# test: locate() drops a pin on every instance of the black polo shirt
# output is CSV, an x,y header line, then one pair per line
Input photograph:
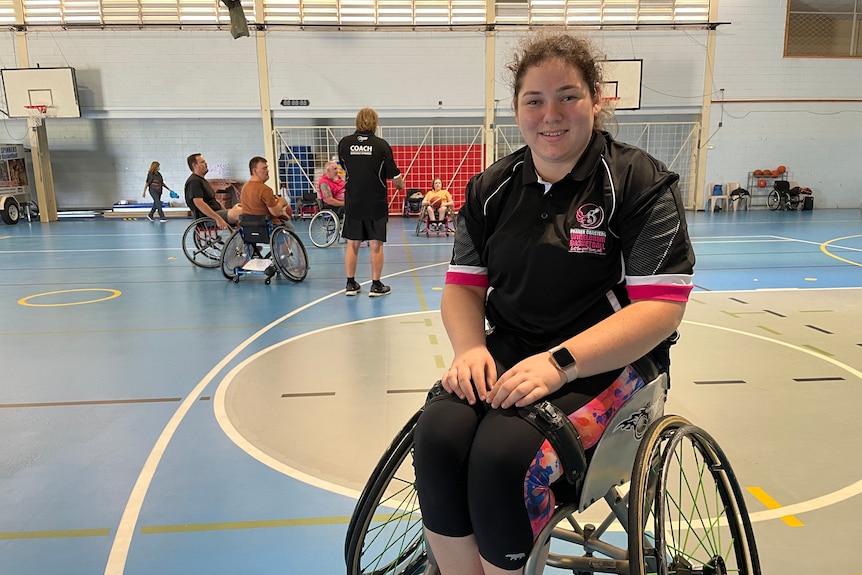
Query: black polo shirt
x,y
558,262
367,161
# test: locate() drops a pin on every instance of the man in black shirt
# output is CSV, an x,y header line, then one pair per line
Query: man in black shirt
x,y
368,163
200,197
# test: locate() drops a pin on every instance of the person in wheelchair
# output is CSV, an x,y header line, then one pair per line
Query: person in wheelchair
x,y
258,199
330,189
200,197
436,205
571,262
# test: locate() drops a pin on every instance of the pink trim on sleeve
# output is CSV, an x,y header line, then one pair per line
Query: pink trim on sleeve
x,y
669,292
467,279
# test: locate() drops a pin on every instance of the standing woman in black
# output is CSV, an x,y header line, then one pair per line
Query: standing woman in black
x,y
154,184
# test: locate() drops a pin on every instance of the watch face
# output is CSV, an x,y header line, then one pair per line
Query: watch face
x,y
563,357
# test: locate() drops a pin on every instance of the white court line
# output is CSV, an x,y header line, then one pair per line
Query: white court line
x,y
219,401
126,529
828,499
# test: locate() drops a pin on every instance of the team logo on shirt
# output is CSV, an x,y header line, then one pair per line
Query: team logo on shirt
x,y
587,239
590,216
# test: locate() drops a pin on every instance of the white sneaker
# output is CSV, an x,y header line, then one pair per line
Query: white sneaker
x,y
164,220
151,219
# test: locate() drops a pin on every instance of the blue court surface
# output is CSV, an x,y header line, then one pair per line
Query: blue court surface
x,y
158,418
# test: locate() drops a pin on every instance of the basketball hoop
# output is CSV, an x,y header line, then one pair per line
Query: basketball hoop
x,y
37,113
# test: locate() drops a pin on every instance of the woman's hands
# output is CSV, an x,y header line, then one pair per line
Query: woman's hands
x,y
473,366
527,382
475,372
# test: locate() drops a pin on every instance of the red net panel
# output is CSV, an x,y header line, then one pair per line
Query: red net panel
x,y
454,164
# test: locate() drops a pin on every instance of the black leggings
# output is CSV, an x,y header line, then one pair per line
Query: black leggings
x,y
471,463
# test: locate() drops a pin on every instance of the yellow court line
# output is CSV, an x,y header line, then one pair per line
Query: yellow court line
x,y
824,245
422,304
232,525
439,362
25,301
771,503
432,339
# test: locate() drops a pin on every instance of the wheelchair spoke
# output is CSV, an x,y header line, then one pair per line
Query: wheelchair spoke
x,y
695,521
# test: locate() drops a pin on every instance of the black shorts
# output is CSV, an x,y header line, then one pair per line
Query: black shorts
x,y
364,230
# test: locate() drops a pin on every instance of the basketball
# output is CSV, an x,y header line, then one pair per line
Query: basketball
x,y
767,172
761,183
758,172
437,203
780,170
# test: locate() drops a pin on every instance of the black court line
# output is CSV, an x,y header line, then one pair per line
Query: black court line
x,y
719,381
820,329
204,398
407,390
739,300
93,402
808,379
774,313
316,394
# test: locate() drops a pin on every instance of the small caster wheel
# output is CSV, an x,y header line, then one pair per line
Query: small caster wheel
x,y
268,281
236,279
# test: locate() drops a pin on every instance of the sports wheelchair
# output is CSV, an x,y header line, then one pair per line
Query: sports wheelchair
x,y
325,227
429,225
672,504
786,198
203,242
241,255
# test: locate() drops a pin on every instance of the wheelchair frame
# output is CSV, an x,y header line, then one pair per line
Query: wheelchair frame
x,y
203,242
287,255
325,228
683,499
426,220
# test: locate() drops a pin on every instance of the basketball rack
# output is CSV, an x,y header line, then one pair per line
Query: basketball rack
x,y
37,113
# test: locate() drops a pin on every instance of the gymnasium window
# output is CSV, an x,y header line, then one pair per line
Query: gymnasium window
x,y
824,28
370,13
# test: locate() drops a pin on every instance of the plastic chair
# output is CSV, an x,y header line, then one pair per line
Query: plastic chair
x,y
716,192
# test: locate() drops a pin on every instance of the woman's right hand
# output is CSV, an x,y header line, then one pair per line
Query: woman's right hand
x,y
474,367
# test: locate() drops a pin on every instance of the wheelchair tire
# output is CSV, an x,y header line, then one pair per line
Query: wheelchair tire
x,y
686,509
288,254
324,228
233,256
773,200
203,242
385,533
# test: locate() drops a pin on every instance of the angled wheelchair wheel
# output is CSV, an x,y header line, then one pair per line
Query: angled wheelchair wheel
x,y
686,509
288,254
385,535
233,256
773,200
323,228
203,242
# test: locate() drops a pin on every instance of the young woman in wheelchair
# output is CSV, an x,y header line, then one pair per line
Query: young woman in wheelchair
x,y
436,203
575,252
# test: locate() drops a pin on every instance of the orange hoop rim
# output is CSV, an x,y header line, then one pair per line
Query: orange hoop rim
x,y
42,108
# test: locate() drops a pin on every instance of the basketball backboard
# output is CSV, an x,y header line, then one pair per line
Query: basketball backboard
x,y
623,80
55,88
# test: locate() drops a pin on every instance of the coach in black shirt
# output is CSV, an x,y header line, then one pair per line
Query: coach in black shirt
x,y
367,161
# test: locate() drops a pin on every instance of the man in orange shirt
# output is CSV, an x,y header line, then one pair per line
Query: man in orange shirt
x,y
258,199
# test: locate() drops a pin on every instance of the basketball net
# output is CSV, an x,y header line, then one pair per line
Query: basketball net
x,y
37,113
610,103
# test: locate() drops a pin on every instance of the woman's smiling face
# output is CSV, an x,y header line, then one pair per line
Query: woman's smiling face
x,y
556,113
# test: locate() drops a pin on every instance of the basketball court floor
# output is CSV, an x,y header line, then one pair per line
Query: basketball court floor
x,y
157,418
